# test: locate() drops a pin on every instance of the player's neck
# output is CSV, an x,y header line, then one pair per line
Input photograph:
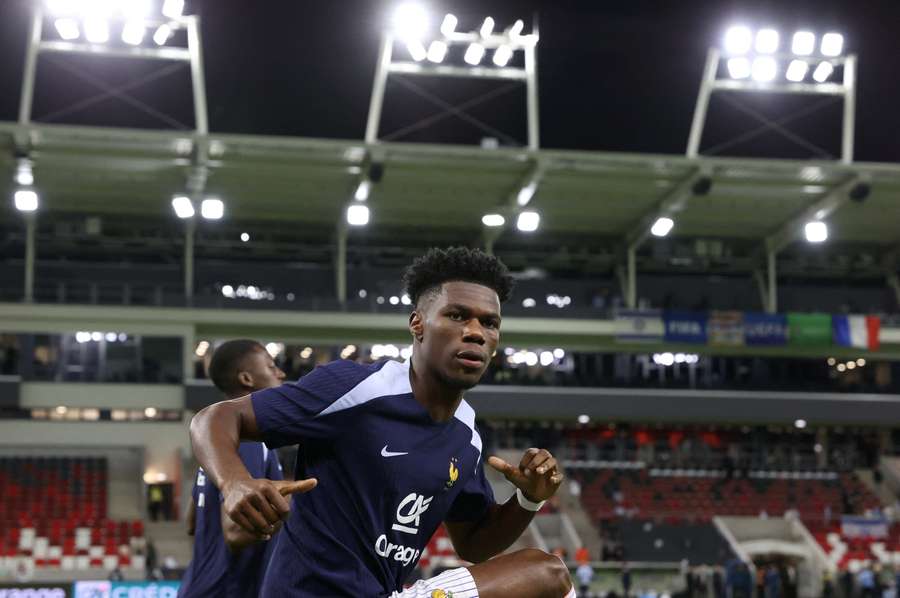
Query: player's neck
x,y
433,394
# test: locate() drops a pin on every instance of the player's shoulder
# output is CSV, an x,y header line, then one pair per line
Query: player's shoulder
x,y
357,384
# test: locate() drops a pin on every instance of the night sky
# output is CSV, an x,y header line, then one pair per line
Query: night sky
x,y
614,76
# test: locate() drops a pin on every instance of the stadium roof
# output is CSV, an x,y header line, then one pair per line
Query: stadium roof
x,y
90,170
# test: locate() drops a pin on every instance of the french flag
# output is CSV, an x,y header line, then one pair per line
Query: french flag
x,y
856,331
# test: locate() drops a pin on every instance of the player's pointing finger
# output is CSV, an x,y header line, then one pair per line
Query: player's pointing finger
x,y
297,487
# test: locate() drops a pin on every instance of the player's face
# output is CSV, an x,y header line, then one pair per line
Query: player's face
x,y
262,370
460,332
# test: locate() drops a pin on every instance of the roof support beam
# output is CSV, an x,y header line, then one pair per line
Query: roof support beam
x,y
672,202
520,196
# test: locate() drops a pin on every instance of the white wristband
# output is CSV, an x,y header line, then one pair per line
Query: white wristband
x,y
527,504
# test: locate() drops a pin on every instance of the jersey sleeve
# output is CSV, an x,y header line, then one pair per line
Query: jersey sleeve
x,y
289,414
474,499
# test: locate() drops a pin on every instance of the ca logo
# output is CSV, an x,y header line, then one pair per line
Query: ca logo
x,y
409,512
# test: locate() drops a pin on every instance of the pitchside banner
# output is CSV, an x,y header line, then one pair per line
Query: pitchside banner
x,y
35,590
726,328
633,326
809,329
126,589
686,327
765,329
864,527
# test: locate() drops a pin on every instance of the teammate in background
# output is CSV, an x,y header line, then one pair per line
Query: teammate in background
x,y
395,451
237,367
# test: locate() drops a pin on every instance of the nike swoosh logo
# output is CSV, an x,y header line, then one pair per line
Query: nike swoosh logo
x,y
387,453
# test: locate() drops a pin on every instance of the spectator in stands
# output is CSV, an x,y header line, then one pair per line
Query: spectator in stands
x,y
626,580
155,501
867,582
827,584
237,368
585,575
847,583
773,585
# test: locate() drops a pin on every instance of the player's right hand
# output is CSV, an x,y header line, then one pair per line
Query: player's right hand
x,y
259,506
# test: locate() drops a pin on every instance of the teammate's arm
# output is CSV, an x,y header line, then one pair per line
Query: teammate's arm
x,y
538,477
216,433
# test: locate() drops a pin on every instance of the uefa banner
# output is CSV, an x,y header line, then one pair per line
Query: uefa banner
x,y
126,589
765,330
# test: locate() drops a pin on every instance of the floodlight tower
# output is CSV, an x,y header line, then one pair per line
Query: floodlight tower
x,y
761,62
429,48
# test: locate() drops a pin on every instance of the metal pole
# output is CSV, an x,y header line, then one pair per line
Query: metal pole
x,y
772,306
381,74
894,282
706,89
198,83
340,263
30,234
631,299
531,97
31,54
849,109
189,260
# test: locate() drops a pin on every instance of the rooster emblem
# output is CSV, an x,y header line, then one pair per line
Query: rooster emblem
x,y
454,474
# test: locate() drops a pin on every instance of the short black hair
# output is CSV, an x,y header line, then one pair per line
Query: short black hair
x,y
456,264
226,364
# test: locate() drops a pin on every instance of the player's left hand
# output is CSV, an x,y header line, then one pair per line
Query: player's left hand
x,y
537,476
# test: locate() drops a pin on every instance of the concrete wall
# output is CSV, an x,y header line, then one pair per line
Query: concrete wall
x,y
119,396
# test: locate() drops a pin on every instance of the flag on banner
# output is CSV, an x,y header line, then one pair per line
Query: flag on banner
x,y
726,328
856,331
634,326
809,329
765,329
686,327
864,527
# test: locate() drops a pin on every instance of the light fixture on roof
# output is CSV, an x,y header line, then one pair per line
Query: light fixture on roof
x,y
767,41
245,237
804,43
738,40
823,71
764,69
133,32
816,231
96,30
528,221
212,208
26,200
67,28
416,49
162,34
487,27
796,71
183,206
516,28
526,193
173,9
448,25
410,21
662,226
800,424
493,220
739,67
363,190
474,54
24,173
502,55
437,51
832,44
357,214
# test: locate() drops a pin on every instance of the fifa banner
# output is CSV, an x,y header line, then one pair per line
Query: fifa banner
x,y
726,329
35,590
639,326
686,327
864,527
126,589
809,329
765,330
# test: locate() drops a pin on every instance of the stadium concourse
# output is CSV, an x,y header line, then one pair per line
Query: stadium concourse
x,y
708,345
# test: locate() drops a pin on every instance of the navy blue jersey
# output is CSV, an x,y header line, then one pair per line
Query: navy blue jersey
x,y
388,476
214,571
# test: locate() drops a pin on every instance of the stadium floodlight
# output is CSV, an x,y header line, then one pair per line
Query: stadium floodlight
x,y
526,193
363,190
816,231
212,208
800,424
767,41
24,174
135,10
67,28
662,226
133,32
183,206
797,70
474,54
245,237
416,49
738,40
62,7
502,55
739,68
804,43
437,51
764,69
493,220
832,44
823,71
173,9
528,221
516,29
162,34
448,25
26,200
487,28
96,30
410,21
357,215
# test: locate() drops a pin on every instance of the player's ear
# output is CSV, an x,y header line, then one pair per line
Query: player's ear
x,y
416,325
245,379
